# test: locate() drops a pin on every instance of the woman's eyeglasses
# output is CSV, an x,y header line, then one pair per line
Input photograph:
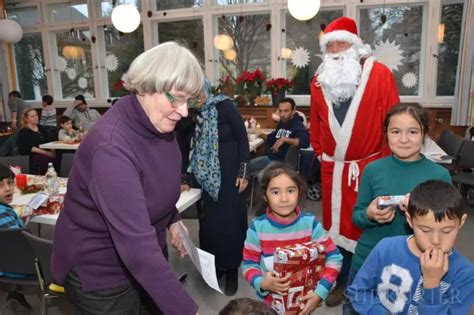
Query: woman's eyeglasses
x,y
178,102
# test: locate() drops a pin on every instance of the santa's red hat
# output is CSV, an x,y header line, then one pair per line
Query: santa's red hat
x,y
341,29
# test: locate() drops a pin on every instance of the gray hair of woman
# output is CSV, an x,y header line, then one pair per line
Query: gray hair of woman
x,y
163,67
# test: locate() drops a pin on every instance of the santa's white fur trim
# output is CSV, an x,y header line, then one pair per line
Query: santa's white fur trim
x,y
344,36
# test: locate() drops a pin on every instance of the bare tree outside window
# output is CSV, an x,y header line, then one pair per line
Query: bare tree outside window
x,y
177,4
251,37
29,62
399,30
448,49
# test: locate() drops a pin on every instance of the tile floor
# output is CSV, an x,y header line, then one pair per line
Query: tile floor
x,y
210,301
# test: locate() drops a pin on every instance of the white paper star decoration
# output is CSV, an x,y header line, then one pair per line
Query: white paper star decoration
x,y
82,83
111,62
71,73
389,54
300,57
409,80
61,64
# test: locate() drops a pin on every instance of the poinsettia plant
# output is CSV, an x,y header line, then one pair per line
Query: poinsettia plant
x,y
278,84
251,80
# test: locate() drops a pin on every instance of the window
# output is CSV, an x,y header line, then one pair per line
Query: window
x,y
29,62
74,63
24,16
67,12
251,43
230,2
190,33
302,37
449,39
177,4
106,6
397,42
121,50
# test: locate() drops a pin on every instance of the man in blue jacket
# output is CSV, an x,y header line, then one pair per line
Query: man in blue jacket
x,y
289,131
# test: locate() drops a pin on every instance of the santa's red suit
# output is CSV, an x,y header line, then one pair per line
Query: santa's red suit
x,y
345,150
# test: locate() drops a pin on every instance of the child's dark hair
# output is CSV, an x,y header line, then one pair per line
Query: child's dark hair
x,y
278,168
63,120
246,306
415,110
48,99
437,196
5,172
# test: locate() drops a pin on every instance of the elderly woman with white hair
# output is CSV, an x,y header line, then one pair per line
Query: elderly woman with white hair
x,y
109,246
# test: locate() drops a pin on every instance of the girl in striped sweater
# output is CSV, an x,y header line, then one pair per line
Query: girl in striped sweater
x,y
285,224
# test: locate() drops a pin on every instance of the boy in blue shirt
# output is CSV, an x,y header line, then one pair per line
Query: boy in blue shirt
x,y
9,219
421,273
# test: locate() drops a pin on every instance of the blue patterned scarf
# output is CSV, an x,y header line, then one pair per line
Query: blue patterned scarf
x,y
204,156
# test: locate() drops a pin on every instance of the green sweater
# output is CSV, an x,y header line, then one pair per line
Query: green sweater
x,y
384,177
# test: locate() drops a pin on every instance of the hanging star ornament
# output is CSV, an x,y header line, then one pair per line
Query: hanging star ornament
x,y
82,83
300,57
389,54
71,73
111,63
61,64
409,80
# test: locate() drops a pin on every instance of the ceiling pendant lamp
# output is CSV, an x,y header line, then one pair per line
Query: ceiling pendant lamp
x,y
303,10
125,18
223,42
230,54
11,31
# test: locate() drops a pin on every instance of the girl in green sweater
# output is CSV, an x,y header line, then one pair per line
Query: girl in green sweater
x,y
405,127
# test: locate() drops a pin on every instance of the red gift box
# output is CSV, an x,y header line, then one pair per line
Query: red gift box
x,y
305,263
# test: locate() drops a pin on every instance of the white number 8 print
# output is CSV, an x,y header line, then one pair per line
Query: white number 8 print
x,y
401,290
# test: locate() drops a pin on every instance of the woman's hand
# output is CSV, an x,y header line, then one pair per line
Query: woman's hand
x,y
241,183
184,187
313,302
379,215
274,284
175,237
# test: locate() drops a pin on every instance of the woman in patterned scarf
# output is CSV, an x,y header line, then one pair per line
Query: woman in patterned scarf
x,y
219,161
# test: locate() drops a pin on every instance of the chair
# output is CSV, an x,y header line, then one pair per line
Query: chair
x,y
22,161
466,174
67,160
42,249
451,144
17,257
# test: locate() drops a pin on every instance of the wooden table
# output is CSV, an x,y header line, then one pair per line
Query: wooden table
x,y
59,145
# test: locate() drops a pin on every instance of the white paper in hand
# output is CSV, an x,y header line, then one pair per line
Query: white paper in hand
x,y
204,261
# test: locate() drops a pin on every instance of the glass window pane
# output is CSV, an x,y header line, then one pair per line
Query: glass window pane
x,y
188,32
230,2
302,37
106,6
251,44
29,62
178,4
67,12
75,63
448,49
396,42
121,50
24,16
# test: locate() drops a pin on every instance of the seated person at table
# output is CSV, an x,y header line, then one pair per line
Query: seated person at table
x,y
421,273
289,131
82,116
9,219
30,136
67,132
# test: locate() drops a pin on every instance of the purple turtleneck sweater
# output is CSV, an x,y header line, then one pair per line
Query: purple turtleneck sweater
x,y
120,199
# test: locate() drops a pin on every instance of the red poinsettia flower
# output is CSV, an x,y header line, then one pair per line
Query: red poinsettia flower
x,y
278,84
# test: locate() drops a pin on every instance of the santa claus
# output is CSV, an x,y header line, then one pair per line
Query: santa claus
x,y
350,96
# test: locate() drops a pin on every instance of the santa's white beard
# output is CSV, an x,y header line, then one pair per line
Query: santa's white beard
x,y
339,75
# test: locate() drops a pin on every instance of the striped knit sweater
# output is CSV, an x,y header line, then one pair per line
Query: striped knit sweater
x,y
268,232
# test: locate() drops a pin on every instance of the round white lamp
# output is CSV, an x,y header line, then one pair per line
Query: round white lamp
x,y
286,53
11,31
303,10
125,18
223,42
230,54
